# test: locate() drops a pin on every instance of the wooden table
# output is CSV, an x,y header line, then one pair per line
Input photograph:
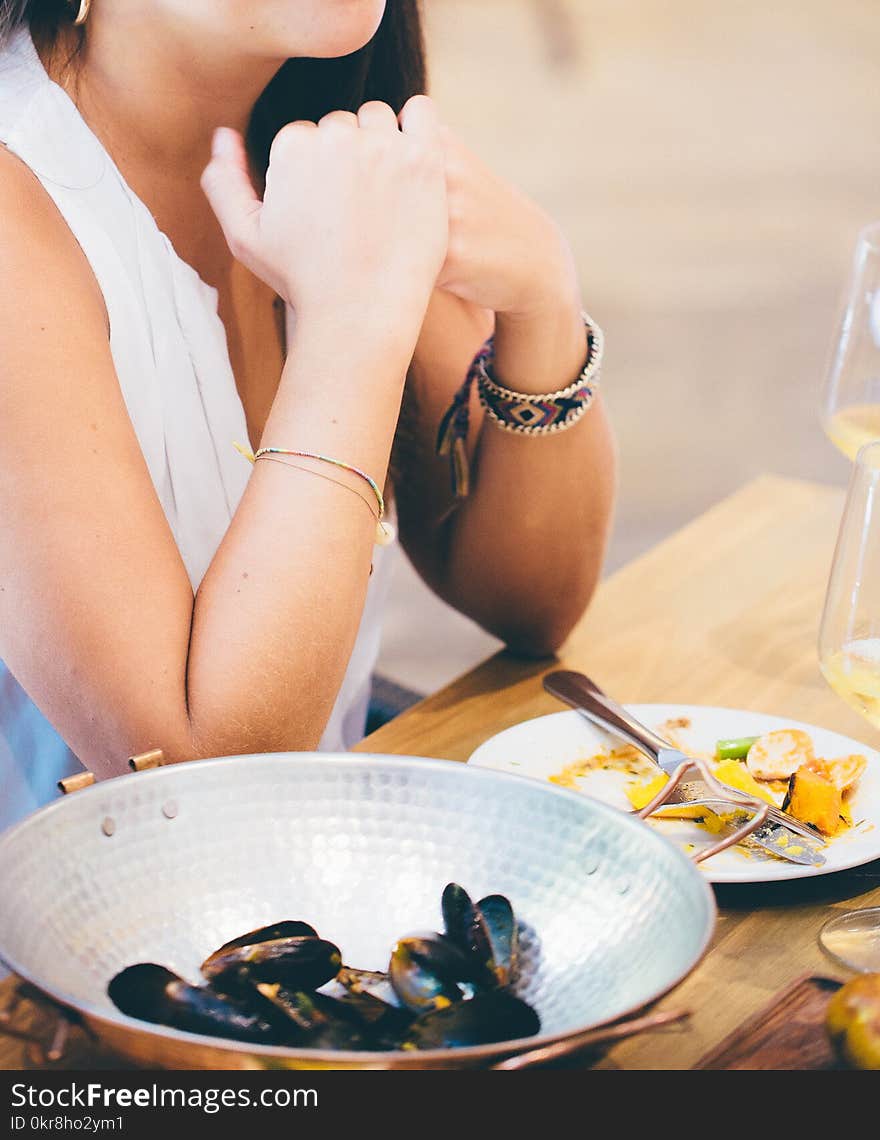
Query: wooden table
x,y
725,613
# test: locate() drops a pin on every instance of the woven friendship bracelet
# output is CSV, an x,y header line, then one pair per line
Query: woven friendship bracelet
x,y
521,412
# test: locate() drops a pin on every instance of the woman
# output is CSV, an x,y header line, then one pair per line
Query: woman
x,y
156,589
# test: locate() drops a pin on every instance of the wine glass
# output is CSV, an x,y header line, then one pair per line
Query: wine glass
x,y
851,391
849,657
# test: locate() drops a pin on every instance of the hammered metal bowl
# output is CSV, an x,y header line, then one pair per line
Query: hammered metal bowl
x,y
166,865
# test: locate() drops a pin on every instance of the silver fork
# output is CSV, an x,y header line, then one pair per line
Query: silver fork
x,y
577,690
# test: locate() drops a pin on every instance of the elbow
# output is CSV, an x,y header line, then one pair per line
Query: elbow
x,y
208,738
250,740
540,630
536,640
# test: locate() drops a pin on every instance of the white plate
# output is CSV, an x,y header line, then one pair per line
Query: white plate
x,y
545,745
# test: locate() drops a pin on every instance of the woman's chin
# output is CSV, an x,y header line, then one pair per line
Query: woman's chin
x,y
357,23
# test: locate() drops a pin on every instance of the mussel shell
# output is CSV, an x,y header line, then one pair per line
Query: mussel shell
x,y
465,926
496,1015
500,925
386,1022
288,928
320,1021
294,1006
457,908
153,993
299,963
427,971
139,990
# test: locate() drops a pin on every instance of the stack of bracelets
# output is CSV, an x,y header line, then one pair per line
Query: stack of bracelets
x,y
519,412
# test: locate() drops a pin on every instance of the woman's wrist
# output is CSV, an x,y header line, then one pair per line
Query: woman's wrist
x,y
548,277
542,349
359,341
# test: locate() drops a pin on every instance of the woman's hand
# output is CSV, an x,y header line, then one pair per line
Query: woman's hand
x,y
354,213
504,252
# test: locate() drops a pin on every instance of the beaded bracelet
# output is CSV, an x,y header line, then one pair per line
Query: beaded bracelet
x,y
520,412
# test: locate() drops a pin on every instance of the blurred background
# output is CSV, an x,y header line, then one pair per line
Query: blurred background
x,y
711,165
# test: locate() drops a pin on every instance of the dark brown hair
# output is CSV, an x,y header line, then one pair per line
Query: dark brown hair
x,y
391,67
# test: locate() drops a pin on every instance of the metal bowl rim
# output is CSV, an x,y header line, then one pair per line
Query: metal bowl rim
x,y
367,1058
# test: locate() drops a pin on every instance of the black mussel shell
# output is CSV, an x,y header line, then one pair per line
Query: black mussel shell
x,y
153,993
495,1015
386,1023
320,1021
500,925
465,926
139,990
458,914
289,928
299,963
428,971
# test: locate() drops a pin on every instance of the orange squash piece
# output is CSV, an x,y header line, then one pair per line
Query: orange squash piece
x,y
813,798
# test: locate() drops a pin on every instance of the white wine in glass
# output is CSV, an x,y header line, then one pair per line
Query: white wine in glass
x,y
851,390
849,657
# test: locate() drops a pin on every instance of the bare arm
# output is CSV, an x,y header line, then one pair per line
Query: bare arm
x,y
522,554
97,617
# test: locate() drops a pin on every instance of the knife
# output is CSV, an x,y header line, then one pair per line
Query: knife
x,y
782,834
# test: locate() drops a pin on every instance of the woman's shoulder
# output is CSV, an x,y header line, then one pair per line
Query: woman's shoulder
x,y
39,250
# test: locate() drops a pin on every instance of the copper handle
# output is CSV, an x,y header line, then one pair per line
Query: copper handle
x,y
155,758
76,782
40,1052
571,1046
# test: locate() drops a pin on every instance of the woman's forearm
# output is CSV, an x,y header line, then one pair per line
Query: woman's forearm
x,y
276,616
522,553
525,552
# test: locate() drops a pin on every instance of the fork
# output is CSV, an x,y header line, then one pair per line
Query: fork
x,y
583,694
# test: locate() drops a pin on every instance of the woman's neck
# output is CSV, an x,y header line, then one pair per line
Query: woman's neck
x,y
153,95
152,92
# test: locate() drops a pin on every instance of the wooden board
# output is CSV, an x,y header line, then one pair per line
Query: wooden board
x,y
788,1033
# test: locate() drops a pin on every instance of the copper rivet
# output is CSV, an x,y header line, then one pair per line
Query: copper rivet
x,y
108,826
169,809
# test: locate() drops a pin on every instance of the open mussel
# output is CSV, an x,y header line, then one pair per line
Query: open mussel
x,y
154,993
496,1015
486,930
428,971
299,963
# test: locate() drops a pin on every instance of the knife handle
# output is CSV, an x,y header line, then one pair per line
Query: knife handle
x,y
577,690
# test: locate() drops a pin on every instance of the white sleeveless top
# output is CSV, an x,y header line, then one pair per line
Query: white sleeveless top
x,y
169,348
